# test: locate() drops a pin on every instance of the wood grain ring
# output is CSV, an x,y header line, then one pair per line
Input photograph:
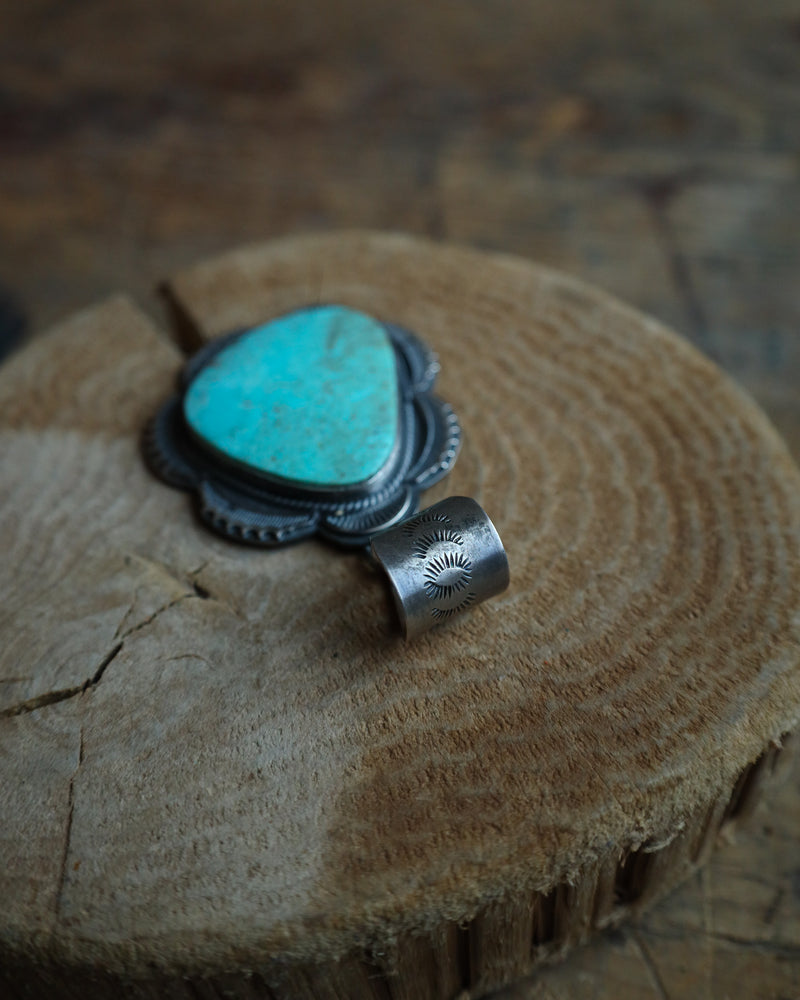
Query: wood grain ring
x,y
226,772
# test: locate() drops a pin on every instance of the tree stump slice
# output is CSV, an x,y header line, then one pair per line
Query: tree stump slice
x,y
224,772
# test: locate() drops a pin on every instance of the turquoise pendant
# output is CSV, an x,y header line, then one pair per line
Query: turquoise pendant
x,y
318,421
311,398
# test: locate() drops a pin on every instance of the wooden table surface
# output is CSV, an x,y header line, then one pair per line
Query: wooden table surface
x,y
653,149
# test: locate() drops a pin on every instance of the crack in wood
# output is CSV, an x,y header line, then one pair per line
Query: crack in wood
x,y
62,694
200,591
658,194
650,965
68,831
774,906
784,949
707,901
159,611
52,697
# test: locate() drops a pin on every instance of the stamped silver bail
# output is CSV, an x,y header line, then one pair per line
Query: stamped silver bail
x,y
441,562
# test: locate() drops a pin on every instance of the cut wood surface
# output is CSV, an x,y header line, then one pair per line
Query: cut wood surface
x,y
220,762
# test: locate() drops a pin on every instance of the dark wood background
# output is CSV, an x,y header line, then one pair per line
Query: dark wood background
x,y
652,148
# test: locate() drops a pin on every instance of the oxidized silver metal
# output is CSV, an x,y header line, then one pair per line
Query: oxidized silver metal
x,y
259,510
441,562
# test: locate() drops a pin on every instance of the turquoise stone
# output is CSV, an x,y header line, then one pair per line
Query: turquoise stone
x,y
310,397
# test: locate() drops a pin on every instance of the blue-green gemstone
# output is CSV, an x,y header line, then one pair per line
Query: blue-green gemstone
x,y
310,397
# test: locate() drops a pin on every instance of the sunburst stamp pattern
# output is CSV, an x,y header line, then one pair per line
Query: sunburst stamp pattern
x,y
428,542
447,574
440,614
421,520
441,562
